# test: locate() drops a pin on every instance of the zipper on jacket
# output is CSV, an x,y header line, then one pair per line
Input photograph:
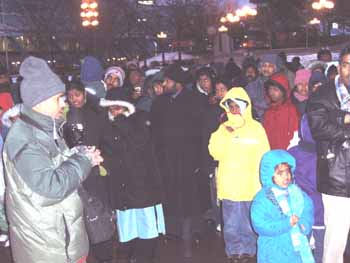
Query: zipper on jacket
x,y
67,238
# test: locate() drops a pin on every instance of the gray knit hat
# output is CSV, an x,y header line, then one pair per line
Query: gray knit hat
x,y
39,82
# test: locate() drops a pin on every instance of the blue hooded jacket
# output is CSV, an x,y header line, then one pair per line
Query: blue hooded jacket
x,y
91,74
305,172
269,222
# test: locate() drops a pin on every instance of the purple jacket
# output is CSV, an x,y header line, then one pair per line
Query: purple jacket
x,y
305,172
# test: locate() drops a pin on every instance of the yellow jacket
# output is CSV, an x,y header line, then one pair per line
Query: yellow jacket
x,y
238,145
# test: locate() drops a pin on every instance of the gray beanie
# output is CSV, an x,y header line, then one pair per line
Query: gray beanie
x,y
39,81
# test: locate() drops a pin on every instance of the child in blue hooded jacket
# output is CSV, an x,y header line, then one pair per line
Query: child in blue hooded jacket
x,y
281,213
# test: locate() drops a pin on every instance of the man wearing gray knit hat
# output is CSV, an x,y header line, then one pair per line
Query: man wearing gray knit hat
x,y
39,82
43,175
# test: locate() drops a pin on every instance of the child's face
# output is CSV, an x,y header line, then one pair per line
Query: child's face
x,y
234,108
303,89
282,176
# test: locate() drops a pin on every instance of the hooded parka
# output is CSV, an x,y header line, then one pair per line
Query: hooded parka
x,y
281,119
238,152
275,243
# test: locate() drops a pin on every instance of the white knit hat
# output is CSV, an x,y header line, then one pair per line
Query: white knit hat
x,y
119,72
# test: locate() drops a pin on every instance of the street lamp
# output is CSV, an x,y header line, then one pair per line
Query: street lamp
x,y
231,18
162,36
311,23
222,29
322,4
89,13
239,14
223,20
314,21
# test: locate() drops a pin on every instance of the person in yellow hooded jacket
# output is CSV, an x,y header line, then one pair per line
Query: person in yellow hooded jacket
x,y
238,145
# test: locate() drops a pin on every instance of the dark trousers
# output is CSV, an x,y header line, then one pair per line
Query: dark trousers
x,y
142,250
102,252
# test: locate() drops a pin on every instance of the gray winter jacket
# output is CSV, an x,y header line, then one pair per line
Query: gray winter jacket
x,y
44,210
256,92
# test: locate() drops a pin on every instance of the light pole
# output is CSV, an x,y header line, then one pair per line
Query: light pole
x,y
162,36
323,6
313,22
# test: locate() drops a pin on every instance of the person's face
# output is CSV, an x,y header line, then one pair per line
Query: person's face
x,y
326,57
112,81
76,98
302,89
344,70
158,89
53,107
220,91
205,83
332,76
137,93
250,74
282,176
234,108
169,86
275,94
4,78
135,78
267,69
116,110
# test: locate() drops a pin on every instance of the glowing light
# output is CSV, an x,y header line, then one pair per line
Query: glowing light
x,y
223,29
231,18
93,5
86,23
223,19
94,23
314,21
162,35
316,5
84,5
329,5
322,4
241,13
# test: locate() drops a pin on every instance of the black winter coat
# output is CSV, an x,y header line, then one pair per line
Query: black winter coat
x,y
95,129
213,117
133,172
326,121
176,128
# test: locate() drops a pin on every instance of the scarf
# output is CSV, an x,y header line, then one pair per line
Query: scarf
x,y
291,202
299,97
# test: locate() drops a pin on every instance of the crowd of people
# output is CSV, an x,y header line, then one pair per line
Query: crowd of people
x,y
259,152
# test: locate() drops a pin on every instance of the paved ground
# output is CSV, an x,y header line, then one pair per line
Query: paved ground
x,y
210,250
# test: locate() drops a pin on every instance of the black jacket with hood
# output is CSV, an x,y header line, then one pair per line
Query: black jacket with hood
x,y
133,172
